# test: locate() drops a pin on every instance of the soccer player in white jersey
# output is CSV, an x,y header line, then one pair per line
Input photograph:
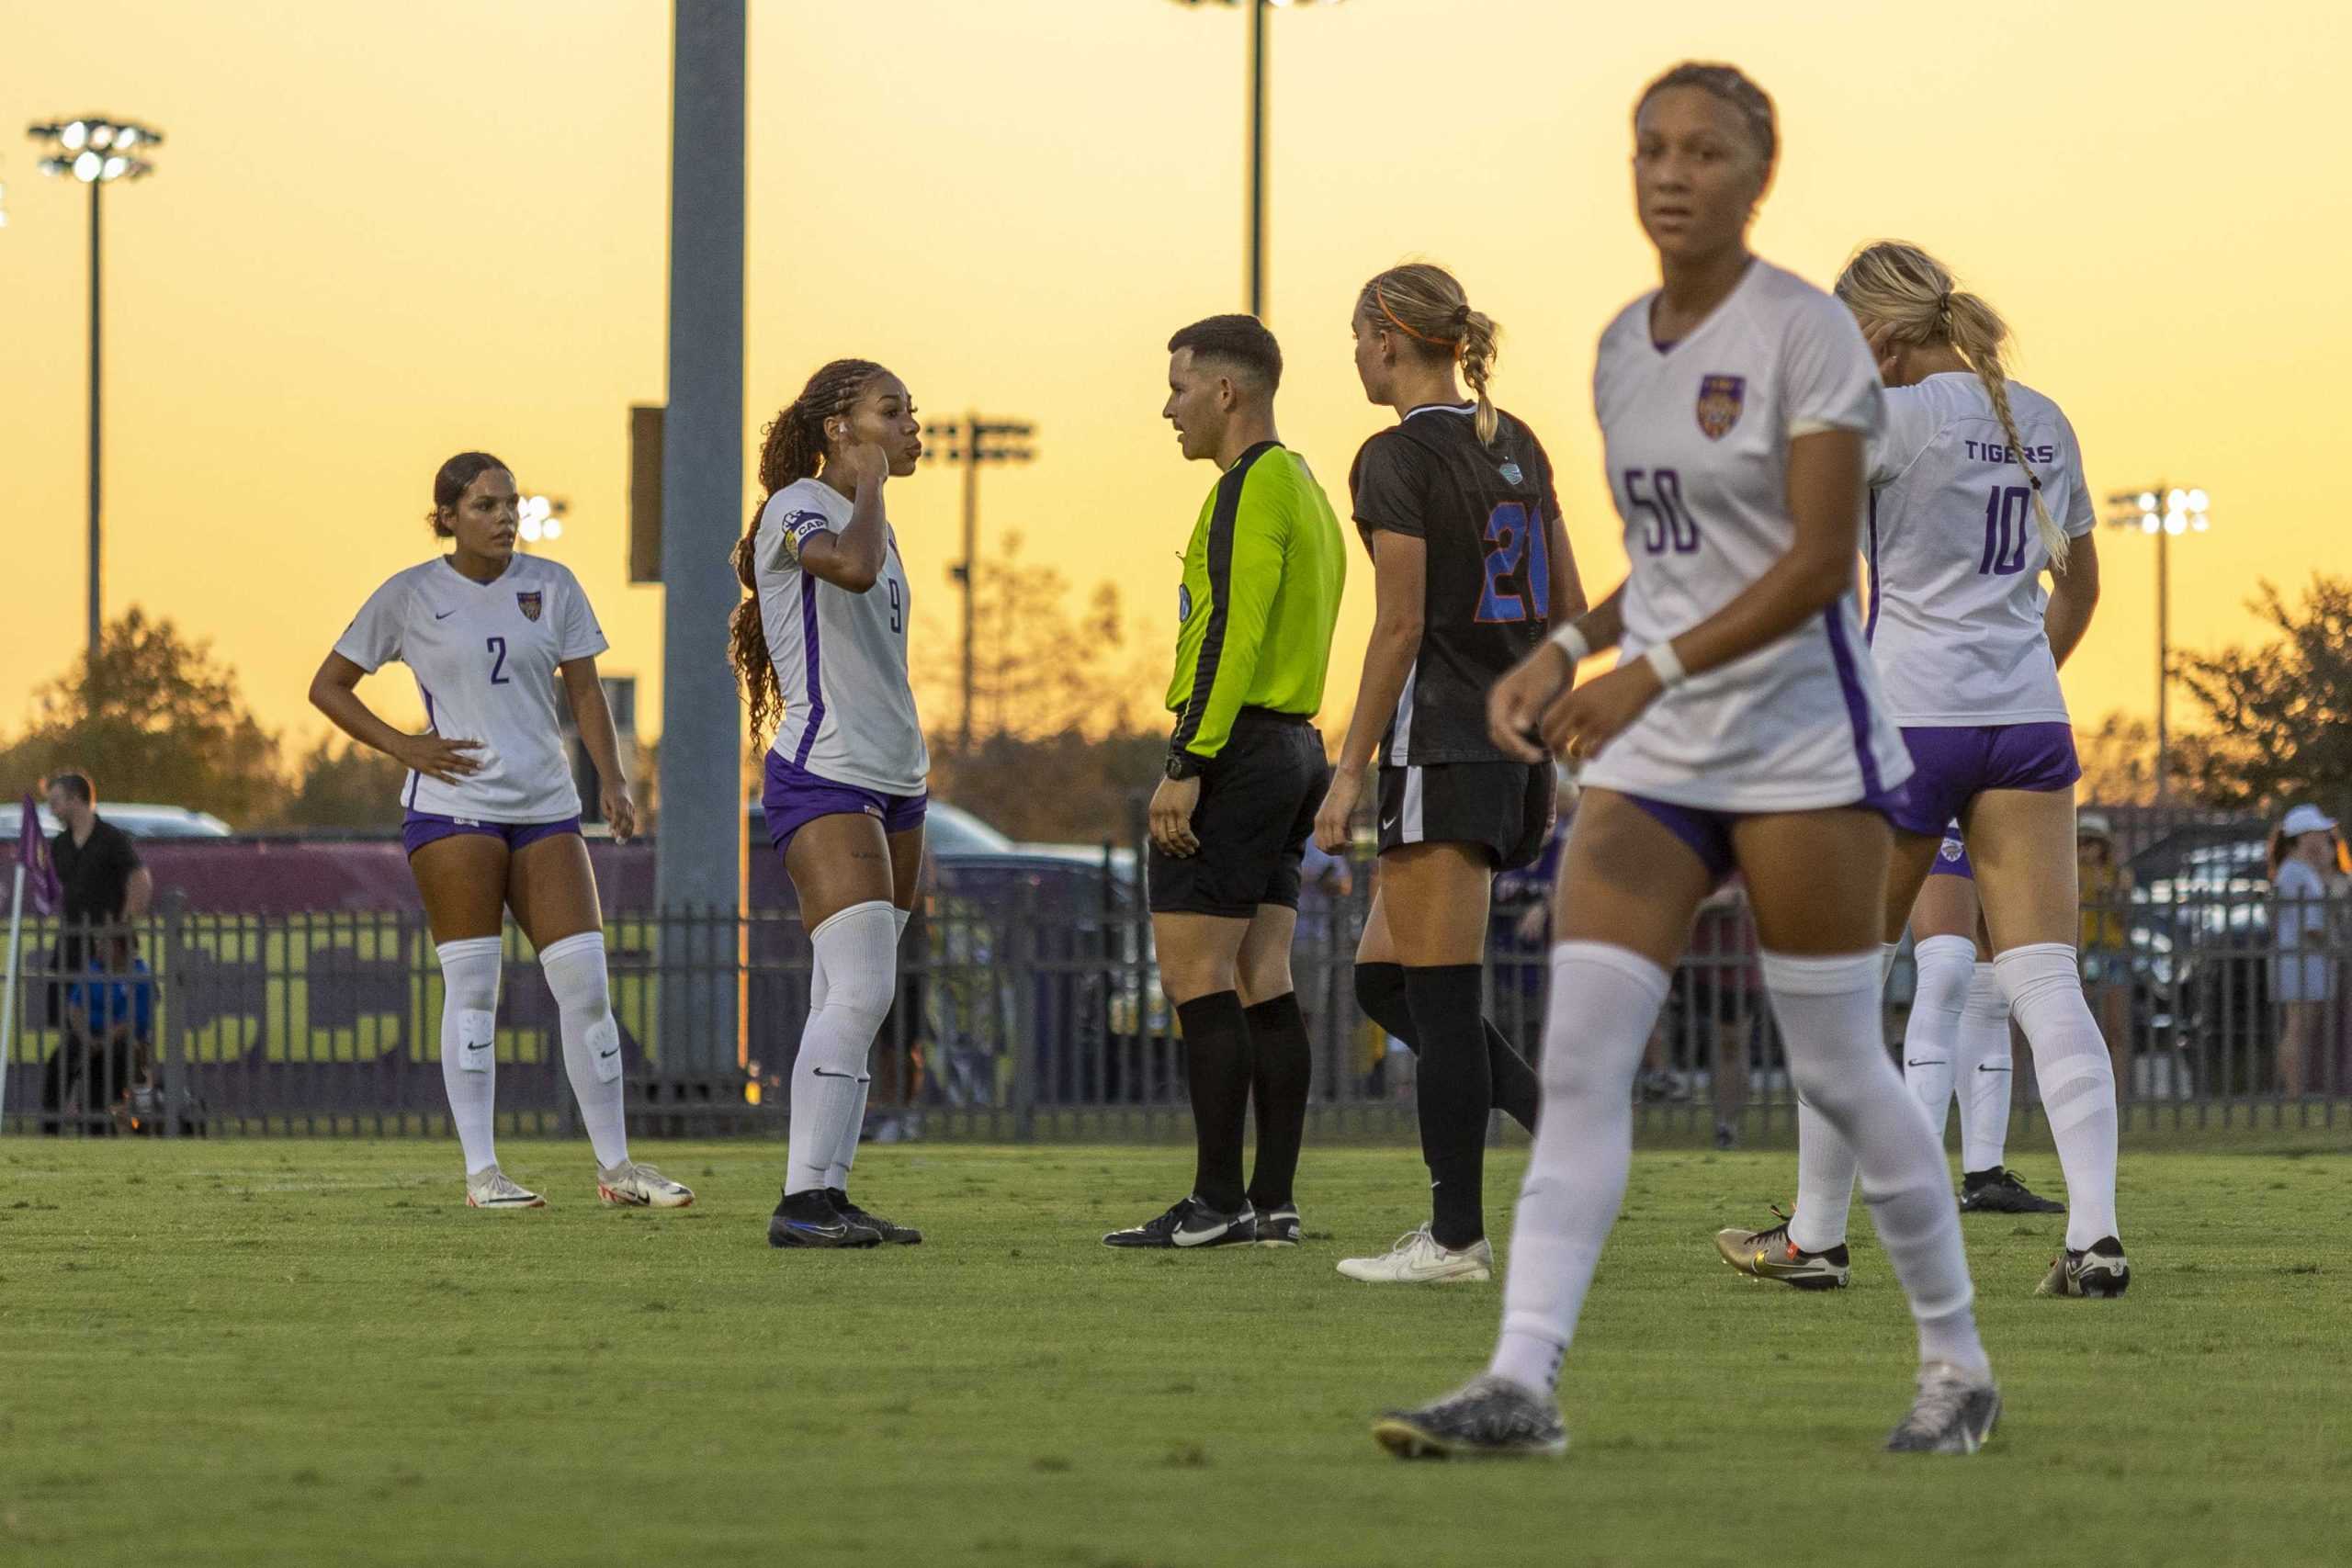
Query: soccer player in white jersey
x,y
819,646
1742,727
493,817
1976,488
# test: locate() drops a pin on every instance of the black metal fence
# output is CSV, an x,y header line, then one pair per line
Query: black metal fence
x,y
1036,1013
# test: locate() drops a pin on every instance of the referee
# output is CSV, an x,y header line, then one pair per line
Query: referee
x,y
1245,773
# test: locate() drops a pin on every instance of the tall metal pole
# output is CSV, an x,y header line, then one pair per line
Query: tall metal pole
x,y
96,372
698,859
971,564
2164,664
1257,159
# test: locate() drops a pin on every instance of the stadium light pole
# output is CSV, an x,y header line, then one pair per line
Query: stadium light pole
x,y
2164,511
975,442
96,151
1258,9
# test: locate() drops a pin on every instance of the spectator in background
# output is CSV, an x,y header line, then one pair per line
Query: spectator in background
x,y
109,1029
98,871
2302,855
2105,888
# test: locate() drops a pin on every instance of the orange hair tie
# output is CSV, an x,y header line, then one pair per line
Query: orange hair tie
x,y
1382,300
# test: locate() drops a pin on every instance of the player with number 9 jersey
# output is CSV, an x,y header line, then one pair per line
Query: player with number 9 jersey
x,y
1697,435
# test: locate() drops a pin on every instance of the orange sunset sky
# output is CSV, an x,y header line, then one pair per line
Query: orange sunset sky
x,y
381,235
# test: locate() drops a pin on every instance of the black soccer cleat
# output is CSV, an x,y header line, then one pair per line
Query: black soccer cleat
x,y
2098,1269
1191,1223
809,1219
1278,1226
1954,1413
1487,1418
1998,1191
892,1235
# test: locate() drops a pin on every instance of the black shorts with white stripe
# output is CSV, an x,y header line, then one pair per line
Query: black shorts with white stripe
x,y
1505,808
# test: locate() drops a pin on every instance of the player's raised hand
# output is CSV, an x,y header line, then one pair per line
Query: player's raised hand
x,y
438,757
1580,723
1333,820
1880,335
864,464
1516,702
620,810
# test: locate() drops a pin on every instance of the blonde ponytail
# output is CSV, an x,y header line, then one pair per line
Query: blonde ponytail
x,y
1428,307
1903,287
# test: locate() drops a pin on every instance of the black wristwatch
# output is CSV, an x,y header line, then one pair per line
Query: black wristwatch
x,y
1181,765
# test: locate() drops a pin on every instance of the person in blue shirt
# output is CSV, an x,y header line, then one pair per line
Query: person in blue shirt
x,y
109,1027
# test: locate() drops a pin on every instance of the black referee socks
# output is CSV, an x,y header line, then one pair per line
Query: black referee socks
x,y
1281,1066
1216,1060
1455,1092
1380,991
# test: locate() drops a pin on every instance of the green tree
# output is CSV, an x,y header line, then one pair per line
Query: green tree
x,y
340,784
2281,712
158,719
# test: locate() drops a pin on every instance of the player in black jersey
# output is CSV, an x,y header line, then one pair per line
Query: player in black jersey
x,y
1455,504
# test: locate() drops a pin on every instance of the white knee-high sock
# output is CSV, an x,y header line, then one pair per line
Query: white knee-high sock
x,y
1604,1000
2045,991
574,968
1825,1167
1985,1073
469,972
837,1173
1829,1012
857,954
1931,1037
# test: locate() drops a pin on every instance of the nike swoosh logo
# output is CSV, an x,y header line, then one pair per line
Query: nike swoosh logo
x,y
443,614
1983,1069
1386,823
484,1046
1200,1239
1926,1062
814,1229
614,1051
822,1074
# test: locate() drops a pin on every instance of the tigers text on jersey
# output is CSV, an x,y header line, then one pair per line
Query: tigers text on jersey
x,y
484,655
840,657
1482,515
1956,559
1697,438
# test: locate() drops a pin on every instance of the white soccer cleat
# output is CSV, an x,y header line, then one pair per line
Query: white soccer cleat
x,y
489,1189
630,1185
1417,1260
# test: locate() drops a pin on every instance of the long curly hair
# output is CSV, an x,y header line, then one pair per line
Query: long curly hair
x,y
792,448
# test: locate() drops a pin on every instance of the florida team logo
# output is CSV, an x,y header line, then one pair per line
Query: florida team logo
x,y
1510,473
1720,400
528,603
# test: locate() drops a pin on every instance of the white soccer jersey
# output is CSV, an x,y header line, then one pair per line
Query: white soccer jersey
x,y
1956,559
484,655
840,657
1697,438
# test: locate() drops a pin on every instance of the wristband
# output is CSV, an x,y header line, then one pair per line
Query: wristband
x,y
1570,641
1668,667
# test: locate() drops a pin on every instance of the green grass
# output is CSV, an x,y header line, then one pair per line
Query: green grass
x,y
247,1352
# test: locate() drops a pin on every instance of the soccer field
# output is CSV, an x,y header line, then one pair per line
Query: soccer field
x,y
308,1352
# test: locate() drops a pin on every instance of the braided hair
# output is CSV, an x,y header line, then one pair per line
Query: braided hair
x,y
791,448
1729,84
1428,306
1899,286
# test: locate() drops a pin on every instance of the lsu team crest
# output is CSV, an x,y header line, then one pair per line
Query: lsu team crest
x,y
1720,400
528,603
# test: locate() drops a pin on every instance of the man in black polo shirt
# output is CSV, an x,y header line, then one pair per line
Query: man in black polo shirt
x,y
104,884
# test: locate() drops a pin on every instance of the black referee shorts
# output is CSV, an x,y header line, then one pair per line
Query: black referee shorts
x,y
1259,796
1505,808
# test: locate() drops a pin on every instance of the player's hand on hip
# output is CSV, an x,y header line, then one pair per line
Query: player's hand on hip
x,y
1172,805
1580,723
620,811
1334,820
438,758
1515,703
